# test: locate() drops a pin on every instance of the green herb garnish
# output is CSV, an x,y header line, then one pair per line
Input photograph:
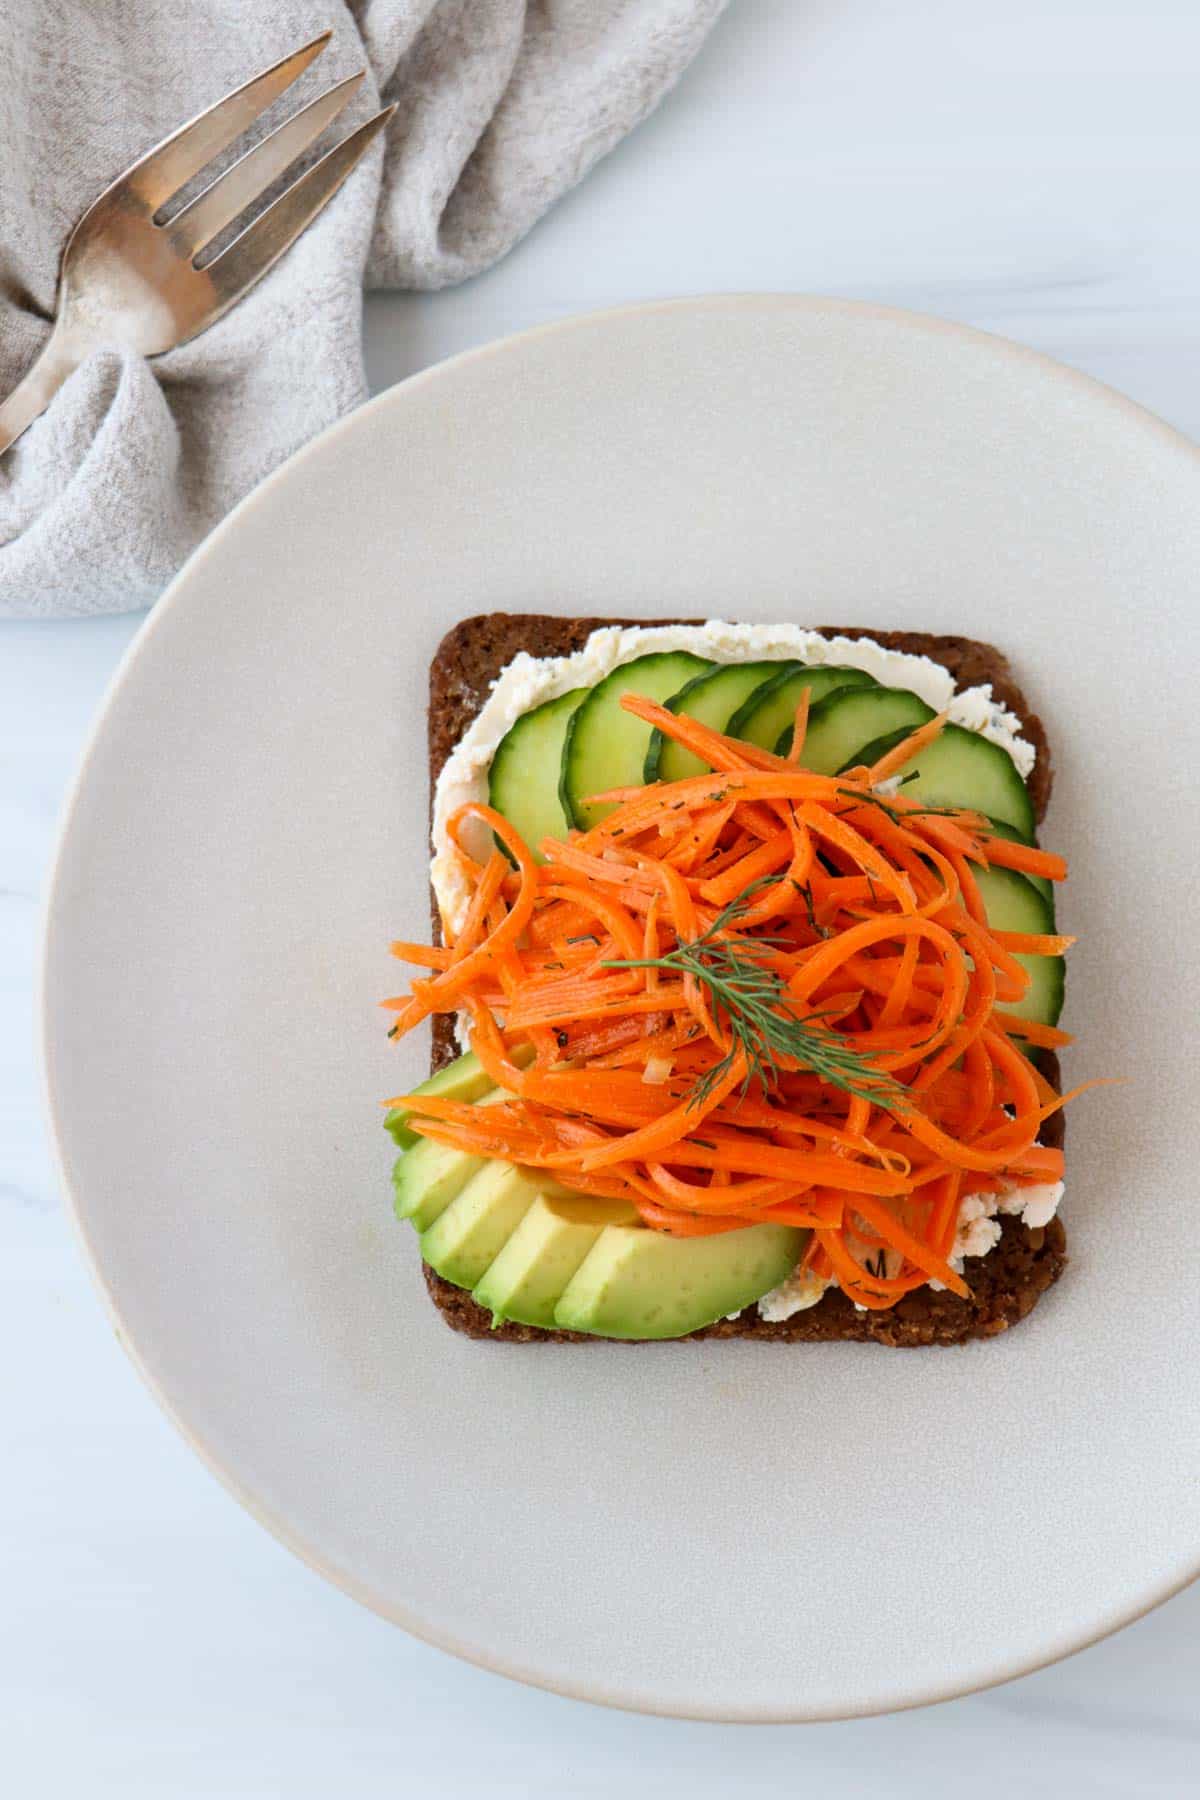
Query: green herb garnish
x,y
806,894
858,798
751,1002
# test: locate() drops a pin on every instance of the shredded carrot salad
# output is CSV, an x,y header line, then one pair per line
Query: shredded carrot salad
x,y
754,995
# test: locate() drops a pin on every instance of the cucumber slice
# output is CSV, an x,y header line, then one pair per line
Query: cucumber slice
x,y
848,719
712,698
1013,836
961,768
1014,904
606,746
772,709
523,781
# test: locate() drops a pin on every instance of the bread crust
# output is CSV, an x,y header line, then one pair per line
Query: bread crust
x,y
1008,1282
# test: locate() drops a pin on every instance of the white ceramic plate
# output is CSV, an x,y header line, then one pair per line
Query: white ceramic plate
x,y
733,1531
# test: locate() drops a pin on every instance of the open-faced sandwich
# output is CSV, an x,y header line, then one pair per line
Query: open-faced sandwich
x,y
744,988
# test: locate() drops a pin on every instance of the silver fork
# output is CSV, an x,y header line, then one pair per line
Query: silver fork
x,y
131,282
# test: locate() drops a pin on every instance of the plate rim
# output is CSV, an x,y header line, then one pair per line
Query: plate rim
x,y
292,1539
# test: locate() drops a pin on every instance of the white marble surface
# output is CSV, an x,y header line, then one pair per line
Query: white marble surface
x,y
1029,167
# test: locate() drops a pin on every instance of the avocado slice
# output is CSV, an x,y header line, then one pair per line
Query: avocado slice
x,y
476,1225
527,1278
428,1177
635,1283
464,1079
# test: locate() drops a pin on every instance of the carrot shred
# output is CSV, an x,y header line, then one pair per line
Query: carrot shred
x,y
1024,857
426,956
800,726
863,915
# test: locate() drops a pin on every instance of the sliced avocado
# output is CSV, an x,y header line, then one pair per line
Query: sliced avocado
x,y
464,1079
477,1224
528,1276
429,1176
635,1283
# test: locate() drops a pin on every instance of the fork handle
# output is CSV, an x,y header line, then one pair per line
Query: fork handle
x,y
33,393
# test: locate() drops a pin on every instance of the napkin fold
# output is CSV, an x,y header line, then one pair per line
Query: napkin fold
x,y
502,106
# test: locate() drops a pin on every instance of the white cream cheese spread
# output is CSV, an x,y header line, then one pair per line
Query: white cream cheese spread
x,y
978,1232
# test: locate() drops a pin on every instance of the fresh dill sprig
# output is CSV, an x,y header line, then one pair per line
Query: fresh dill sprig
x,y
752,1003
806,894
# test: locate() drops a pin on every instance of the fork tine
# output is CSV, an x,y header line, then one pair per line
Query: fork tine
x,y
266,238
164,170
230,194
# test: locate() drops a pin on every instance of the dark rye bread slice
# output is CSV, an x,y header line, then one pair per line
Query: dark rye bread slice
x,y
1008,1282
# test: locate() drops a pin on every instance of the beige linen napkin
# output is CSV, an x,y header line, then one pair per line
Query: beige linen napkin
x,y
503,105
